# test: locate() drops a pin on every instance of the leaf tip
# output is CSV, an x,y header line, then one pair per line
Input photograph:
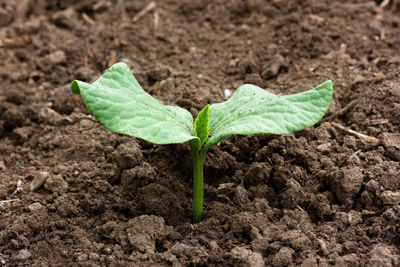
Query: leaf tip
x,y
75,88
207,110
120,64
78,86
329,83
201,124
326,89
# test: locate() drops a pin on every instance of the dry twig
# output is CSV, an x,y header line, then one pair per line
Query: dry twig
x,y
393,4
9,200
378,121
384,3
87,19
144,11
156,20
18,41
364,137
100,4
368,4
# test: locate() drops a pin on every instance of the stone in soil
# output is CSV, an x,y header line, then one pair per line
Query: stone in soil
x,y
55,58
128,155
22,134
39,180
13,118
244,257
56,184
390,198
23,254
138,176
35,207
283,257
65,18
140,233
382,255
346,183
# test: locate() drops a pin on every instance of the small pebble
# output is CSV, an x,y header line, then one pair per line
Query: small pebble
x,y
56,57
272,67
391,140
56,184
382,255
227,93
324,147
372,186
50,116
13,118
82,257
34,207
65,18
2,166
23,255
283,257
390,198
247,257
39,180
94,256
213,246
23,133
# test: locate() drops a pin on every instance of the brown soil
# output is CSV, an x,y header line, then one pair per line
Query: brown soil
x,y
75,194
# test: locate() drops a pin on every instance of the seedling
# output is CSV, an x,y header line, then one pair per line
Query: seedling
x,y
119,103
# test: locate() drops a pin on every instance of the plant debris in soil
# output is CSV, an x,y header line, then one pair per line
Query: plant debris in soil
x,y
73,193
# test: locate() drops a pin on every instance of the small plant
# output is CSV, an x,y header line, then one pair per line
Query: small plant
x,y
119,103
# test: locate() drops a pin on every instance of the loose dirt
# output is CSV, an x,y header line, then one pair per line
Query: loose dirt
x,y
74,194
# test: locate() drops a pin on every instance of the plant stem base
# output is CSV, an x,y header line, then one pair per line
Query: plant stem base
x,y
198,158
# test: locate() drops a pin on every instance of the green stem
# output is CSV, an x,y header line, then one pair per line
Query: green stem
x,y
198,158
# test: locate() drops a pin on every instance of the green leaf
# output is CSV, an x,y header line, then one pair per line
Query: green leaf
x,y
253,110
119,103
201,124
76,85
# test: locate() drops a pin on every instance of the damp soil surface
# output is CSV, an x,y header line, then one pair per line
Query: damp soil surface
x,y
74,194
